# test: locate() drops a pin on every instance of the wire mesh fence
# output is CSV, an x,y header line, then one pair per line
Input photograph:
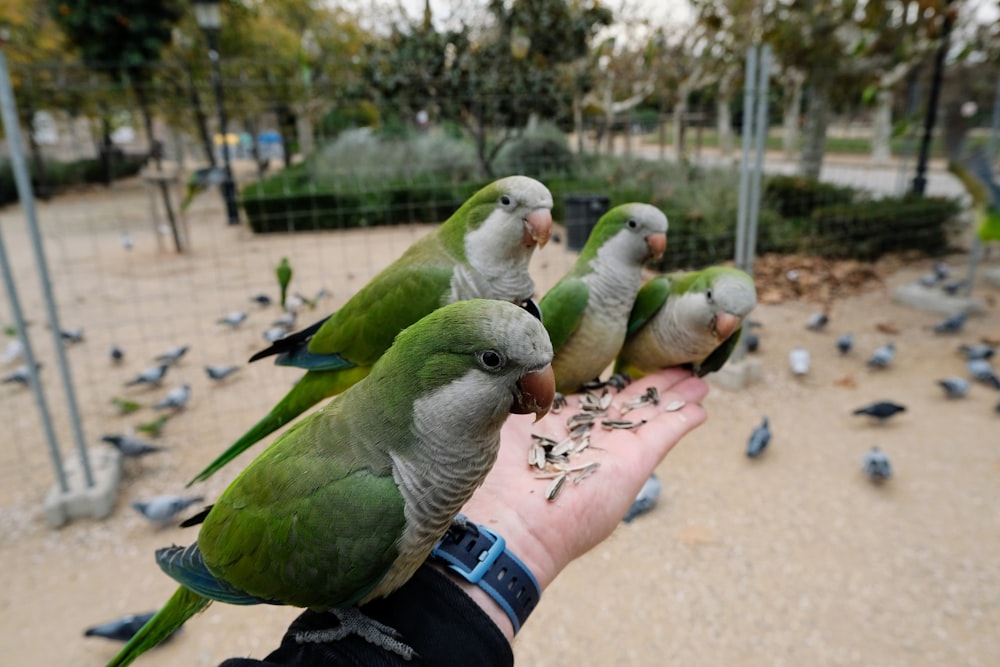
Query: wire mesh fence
x,y
146,262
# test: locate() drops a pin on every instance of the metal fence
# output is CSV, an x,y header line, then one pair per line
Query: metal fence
x,y
135,268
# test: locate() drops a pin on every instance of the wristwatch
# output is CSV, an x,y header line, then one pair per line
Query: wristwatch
x,y
481,557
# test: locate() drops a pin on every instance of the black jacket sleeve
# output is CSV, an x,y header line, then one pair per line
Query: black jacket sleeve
x,y
433,615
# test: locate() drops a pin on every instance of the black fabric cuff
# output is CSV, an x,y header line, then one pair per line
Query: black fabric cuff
x,y
434,616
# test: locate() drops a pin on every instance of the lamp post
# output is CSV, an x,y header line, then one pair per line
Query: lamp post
x,y
209,17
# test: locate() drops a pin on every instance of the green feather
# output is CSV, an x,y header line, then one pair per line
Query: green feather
x,y
179,608
720,355
562,309
651,297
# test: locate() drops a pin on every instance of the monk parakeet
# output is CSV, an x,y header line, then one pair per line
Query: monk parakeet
x,y
977,177
687,318
200,180
481,251
345,506
586,312
284,274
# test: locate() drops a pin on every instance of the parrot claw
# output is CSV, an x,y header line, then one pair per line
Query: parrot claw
x,y
354,622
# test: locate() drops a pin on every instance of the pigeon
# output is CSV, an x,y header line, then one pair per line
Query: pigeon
x,y
127,241
21,375
798,359
286,321
929,279
953,287
125,406
116,354
152,376
275,334
13,352
262,300
162,510
176,398
982,371
645,500
173,355
121,629
72,335
977,351
759,439
751,340
881,410
130,447
954,387
220,373
233,319
952,324
941,270
845,343
876,465
883,356
818,322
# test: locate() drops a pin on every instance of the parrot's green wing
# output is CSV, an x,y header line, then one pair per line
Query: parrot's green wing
x,y
651,297
720,355
562,309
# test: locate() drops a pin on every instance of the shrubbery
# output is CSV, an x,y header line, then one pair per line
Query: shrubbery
x,y
62,175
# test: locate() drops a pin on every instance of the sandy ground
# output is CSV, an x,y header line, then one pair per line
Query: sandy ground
x,y
794,558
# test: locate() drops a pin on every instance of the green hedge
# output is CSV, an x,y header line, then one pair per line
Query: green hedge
x,y
62,175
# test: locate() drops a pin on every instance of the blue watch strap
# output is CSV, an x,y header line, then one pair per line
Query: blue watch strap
x,y
480,556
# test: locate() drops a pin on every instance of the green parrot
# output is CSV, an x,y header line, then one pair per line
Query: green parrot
x,y
977,177
586,312
347,504
687,318
284,274
481,251
200,180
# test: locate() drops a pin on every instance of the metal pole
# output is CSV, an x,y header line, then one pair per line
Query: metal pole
x,y
742,212
920,180
761,139
976,252
23,182
227,185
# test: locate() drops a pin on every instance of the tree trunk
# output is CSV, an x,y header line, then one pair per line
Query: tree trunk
x,y
814,135
790,120
578,122
199,118
723,113
882,127
680,110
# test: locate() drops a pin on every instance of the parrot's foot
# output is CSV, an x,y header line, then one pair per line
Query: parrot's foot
x,y
353,622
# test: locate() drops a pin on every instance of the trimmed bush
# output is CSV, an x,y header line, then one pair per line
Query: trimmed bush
x,y
797,197
62,175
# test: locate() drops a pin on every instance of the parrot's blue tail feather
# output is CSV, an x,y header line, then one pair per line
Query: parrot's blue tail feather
x,y
186,566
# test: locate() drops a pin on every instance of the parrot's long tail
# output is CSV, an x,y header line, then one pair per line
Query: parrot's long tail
x,y
307,392
179,608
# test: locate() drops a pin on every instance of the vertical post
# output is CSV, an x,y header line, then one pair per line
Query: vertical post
x,y
742,211
8,112
228,187
920,180
761,146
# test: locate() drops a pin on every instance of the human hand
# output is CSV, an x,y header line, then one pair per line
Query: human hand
x,y
547,535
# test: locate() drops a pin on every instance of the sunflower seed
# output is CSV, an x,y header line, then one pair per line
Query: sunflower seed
x,y
621,423
674,406
586,471
579,419
555,486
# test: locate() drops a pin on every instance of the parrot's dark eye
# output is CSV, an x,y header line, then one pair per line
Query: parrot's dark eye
x,y
505,200
490,359
632,224
708,295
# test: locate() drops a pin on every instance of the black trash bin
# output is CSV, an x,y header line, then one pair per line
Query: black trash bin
x,y
582,213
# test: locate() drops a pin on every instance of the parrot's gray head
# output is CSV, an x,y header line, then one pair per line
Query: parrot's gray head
x,y
732,296
631,232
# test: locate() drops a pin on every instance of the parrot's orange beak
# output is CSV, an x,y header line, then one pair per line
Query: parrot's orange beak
x,y
657,244
535,393
726,324
537,227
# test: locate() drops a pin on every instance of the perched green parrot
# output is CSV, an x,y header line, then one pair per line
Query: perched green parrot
x,y
687,318
481,251
200,180
345,506
284,274
586,312
977,177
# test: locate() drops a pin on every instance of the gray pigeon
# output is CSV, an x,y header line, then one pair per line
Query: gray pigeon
x,y
798,359
275,334
234,319
977,351
286,321
752,341
21,375
162,510
876,465
116,354
645,500
954,387
952,324
953,287
759,439
72,335
882,410
173,355
152,376
220,373
882,356
130,447
121,629
982,371
845,343
176,398
818,322
261,299
13,351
